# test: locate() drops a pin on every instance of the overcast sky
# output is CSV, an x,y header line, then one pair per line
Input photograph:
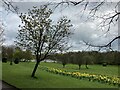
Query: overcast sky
x,y
84,30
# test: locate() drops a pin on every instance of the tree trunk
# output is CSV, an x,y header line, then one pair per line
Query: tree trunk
x,y
11,62
63,65
79,67
35,68
86,66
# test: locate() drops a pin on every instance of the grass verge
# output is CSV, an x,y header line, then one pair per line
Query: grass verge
x,y
19,76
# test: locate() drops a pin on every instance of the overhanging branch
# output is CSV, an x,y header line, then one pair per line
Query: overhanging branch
x,y
103,46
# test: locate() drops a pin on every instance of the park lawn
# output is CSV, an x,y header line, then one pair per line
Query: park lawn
x,y
19,76
110,70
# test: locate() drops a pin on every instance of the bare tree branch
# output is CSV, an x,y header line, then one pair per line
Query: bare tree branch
x,y
93,8
76,3
1,33
107,19
103,46
8,5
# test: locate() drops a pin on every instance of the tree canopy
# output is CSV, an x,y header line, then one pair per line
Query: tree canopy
x,y
40,35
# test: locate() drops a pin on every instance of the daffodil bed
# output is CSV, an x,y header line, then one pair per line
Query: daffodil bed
x,y
90,77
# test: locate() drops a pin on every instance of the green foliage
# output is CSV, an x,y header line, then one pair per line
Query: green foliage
x,y
10,52
13,52
7,52
18,53
4,60
87,59
93,57
104,64
63,58
4,51
16,61
27,55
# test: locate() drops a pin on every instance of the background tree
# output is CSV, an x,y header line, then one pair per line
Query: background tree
x,y
18,53
4,54
87,59
78,58
7,52
116,58
108,58
4,51
71,56
63,58
53,57
10,52
40,35
28,55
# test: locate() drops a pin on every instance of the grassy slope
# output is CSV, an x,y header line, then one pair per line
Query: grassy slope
x,y
19,75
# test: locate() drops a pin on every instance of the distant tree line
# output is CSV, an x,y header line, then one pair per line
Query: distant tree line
x,y
13,53
86,58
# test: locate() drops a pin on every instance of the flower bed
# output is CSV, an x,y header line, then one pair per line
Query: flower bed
x,y
90,77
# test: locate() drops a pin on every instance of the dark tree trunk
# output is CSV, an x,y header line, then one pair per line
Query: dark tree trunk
x,y
63,65
35,68
11,62
79,67
86,66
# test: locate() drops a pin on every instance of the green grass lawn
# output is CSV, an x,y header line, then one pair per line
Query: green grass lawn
x,y
93,69
19,76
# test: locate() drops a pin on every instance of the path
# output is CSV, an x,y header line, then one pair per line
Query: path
x,y
6,86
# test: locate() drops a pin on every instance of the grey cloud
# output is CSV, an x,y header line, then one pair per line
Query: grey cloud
x,y
86,31
11,27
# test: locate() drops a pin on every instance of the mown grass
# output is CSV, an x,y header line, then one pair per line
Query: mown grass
x,y
110,70
19,76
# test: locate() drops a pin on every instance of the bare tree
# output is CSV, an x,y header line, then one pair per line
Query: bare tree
x,y
39,34
107,19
